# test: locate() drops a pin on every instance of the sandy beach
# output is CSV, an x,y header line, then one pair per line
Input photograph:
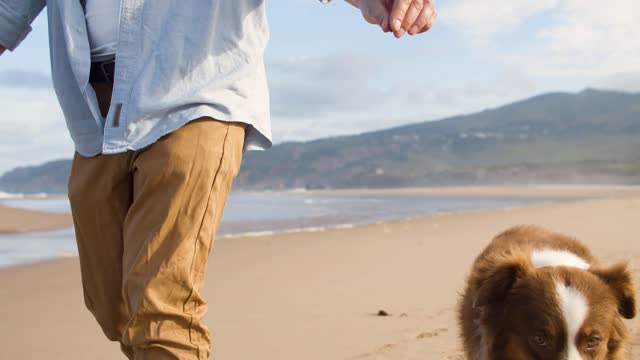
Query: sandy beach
x,y
314,295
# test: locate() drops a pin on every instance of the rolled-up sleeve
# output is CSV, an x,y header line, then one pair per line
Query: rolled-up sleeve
x,y
15,20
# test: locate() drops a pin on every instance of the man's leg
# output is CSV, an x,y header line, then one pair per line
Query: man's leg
x,y
180,188
100,193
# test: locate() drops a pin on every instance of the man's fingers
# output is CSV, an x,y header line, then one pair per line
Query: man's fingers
x,y
400,16
425,21
385,24
411,16
404,14
431,20
383,18
398,12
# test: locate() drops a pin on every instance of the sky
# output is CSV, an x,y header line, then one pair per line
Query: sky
x,y
332,74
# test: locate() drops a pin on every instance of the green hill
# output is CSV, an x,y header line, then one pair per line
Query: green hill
x,y
589,137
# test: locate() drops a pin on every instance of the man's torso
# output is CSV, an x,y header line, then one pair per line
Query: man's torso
x,y
176,61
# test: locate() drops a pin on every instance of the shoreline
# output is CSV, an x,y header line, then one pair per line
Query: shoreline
x,y
539,190
296,230
323,229
37,223
17,220
293,231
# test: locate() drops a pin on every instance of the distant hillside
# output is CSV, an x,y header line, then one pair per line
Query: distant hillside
x,y
589,137
50,177
592,136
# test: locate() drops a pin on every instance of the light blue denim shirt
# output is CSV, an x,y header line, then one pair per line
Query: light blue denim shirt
x,y
176,61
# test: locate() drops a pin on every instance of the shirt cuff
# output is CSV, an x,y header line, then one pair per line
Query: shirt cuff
x,y
13,28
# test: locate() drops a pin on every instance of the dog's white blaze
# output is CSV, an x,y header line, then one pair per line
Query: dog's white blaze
x,y
574,310
483,354
549,257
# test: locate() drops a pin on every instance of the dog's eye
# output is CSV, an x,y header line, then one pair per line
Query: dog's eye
x,y
538,340
593,342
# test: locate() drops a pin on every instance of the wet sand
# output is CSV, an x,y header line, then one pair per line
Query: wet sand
x,y
19,220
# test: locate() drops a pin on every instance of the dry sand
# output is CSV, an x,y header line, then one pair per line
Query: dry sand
x,y
312,296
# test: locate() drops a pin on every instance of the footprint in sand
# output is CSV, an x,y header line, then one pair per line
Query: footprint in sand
x,y
445,310
433,341
441,312
430,334
458,355
382,350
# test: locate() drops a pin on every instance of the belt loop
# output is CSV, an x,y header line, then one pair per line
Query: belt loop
x,y
105,72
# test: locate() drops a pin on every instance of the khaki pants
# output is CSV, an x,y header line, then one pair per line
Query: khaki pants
x,y
145,222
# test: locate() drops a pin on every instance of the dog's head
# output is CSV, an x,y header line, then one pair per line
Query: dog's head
x,y
554,312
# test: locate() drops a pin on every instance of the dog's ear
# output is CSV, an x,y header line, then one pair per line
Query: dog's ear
x,y
499,281
619,278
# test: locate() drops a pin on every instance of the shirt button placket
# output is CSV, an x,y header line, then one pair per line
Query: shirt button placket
x,y
116,132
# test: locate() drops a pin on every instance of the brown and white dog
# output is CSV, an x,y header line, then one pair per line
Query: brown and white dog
x,y
534,294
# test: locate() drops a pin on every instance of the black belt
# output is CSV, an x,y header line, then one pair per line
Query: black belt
x,y
103,72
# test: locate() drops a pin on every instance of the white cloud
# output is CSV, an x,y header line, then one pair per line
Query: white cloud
x,y
482,19
33,128
344,81
595,37
561,42
350,92
343,92
25,79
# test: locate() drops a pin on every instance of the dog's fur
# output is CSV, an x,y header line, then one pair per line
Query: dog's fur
x,y
535,294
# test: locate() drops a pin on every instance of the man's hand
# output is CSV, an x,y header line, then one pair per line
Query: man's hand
x,y
412,16
374,12
399,16
2,49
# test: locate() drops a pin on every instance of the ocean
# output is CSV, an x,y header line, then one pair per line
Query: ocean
x,y
261,213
